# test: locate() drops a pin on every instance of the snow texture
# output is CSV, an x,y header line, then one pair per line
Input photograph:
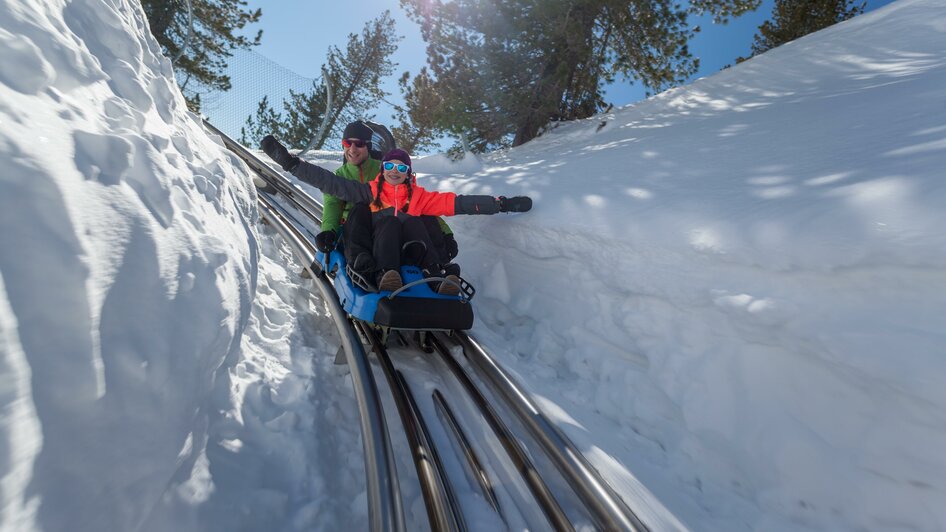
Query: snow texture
x,y
730,296
128,267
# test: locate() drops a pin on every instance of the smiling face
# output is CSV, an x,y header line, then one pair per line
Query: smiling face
x,y
393,176
354,154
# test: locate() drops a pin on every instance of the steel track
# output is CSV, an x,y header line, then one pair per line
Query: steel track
x,y
596,501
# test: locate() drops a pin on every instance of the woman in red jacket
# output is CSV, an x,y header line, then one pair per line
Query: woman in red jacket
x,y
384,226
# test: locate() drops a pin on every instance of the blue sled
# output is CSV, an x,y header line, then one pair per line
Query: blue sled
x,y
413,307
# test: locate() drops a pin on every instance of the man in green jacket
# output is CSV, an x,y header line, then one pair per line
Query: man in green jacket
x,y
360,166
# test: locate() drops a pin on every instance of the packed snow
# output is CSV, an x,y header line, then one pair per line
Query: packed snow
x,y
731,296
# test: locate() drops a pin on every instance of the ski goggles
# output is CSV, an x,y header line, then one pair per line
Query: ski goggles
x,y
358,143
402,168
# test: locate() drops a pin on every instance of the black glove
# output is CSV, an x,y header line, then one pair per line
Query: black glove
x,y
325,241
279,153
515,204
450,244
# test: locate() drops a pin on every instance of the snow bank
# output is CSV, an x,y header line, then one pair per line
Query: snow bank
x,y
443,165
730,295
735,289
285,453
127,268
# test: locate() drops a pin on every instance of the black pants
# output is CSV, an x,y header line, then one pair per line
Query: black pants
x,y
383,238
436,238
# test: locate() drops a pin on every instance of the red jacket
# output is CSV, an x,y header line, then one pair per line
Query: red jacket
x,y
422,201
394,197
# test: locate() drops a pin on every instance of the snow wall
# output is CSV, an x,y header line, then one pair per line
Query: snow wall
x,y
127,267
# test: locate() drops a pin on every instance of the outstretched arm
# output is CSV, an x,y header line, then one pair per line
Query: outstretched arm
x,y
330,183
467,204
314,175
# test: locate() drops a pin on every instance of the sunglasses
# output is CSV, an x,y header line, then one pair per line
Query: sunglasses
x,y
358,143
402,168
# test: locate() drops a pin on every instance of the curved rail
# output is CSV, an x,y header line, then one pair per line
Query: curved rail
x,y
325,116
385,507
540,490
190,32
273,179
442,510
435,456
385,511
608,509
474,464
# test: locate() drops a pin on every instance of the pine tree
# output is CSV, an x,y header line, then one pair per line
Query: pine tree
x,y
792,19
417,127
355,77
357,72
507,68
294,125
215,27
263,123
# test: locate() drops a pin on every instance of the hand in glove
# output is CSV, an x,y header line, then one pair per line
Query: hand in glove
x,y
450,244
515,204
279,153
325,241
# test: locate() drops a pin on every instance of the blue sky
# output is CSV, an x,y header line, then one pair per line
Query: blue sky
x,y
297,34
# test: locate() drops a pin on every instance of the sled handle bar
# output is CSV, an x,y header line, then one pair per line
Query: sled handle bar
x,y
462,294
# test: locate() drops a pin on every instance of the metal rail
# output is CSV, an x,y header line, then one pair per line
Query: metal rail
x,y
608,510
441,510
543,496
325,116
292,192
190,32
435,456
385,510
473,461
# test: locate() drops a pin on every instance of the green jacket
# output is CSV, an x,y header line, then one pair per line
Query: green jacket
x,y
334,209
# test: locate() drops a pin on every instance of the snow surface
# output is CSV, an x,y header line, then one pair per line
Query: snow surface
x,y
732,293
